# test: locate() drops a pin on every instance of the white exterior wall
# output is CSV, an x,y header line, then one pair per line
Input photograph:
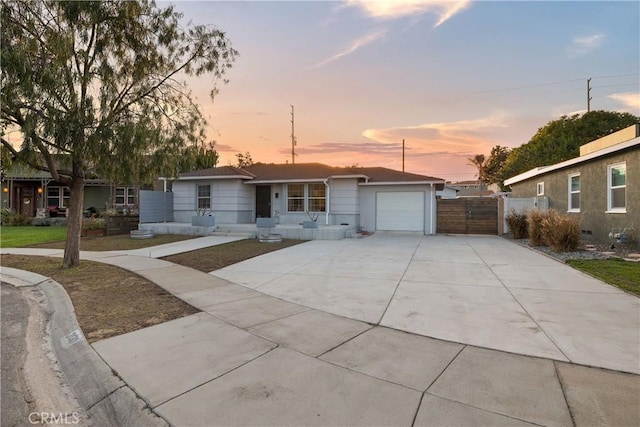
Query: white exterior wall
x,y
368,204
231,201
344,202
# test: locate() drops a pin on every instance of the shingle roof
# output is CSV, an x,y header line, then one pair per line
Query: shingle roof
x,y
380,174
262,172
221,171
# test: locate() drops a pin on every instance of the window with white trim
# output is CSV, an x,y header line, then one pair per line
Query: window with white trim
x,y
295,198
58,196
307,197
574,193
317,198
203,196
540,189
617,187
125,196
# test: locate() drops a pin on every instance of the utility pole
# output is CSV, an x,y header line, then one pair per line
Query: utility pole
x,y
589,94
293,139
402,154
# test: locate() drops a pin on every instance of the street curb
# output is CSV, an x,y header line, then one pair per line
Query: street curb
x,y
106,399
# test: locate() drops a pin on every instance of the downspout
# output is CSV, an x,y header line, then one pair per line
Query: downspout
x,y
433,208
328,201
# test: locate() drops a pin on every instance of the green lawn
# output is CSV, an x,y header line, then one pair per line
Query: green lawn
x,y
16,237
623,274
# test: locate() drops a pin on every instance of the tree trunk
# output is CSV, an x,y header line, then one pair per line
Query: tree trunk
x,y
74,224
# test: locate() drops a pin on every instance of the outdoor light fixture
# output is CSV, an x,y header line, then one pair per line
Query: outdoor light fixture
x,y
5,189
39,190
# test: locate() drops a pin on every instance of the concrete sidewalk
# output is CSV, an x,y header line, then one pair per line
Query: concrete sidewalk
x,y
280,354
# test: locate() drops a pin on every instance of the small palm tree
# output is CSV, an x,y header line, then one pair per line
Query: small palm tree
x,y
480,163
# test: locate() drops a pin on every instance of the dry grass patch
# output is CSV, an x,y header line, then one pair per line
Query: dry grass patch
x,y
216,257
120,242
108,300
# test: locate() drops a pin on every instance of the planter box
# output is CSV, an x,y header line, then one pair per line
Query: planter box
x,y
203,221
265,222
121,224
309,224
93,233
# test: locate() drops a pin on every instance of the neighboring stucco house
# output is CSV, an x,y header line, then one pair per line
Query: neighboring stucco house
x,y
447,193
602,185
25,190
372,198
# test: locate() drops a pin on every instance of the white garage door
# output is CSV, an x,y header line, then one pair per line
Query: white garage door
x,y
400,211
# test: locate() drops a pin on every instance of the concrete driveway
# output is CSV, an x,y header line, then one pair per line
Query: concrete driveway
x,y
479,290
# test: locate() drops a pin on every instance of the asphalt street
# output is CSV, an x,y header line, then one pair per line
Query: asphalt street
x,y
15,400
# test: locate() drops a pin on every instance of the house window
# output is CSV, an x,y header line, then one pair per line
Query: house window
x,y
58,196
574,193
125,196
617,187
317,198
204,197
295,198
540,189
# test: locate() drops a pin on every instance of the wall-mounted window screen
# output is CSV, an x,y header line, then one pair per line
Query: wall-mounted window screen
x,y
317,198
295,198
617,186
125,196
574,193
58,196
204,197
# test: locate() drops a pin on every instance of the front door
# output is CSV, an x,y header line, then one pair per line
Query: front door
x,y
26,200
263,201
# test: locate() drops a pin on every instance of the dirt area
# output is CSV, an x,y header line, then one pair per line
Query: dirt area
x,y
108,300
119,242
111,301
215,257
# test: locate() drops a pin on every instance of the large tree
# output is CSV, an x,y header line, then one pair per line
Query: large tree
x,y
561,139
495,163
99,87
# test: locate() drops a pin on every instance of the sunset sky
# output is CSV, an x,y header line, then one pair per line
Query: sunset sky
x,y
453,78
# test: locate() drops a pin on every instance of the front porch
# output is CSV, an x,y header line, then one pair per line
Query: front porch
x,y
287,231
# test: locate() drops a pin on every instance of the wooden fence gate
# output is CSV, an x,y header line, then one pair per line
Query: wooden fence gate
x,y
468,216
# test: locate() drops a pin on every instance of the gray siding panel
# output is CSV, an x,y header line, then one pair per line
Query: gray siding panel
x,y
156,206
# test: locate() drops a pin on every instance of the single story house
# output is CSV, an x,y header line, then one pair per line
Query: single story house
x,y
26,190
602,185
372,198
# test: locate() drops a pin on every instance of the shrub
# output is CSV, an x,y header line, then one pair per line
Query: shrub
x,y
536,237
17,219
561,231
517,223
93,223
4,215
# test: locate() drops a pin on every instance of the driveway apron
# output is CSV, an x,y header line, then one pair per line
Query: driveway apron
x,y
479,290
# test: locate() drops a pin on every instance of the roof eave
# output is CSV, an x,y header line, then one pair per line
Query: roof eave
x,y
403,182
210,177
532,173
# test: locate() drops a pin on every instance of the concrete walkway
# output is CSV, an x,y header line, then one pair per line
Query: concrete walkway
x,y
314,336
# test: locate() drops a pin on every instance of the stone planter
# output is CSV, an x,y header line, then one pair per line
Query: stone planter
x,y
309,224
203,221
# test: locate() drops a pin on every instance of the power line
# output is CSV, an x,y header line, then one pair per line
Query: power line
x,y
616,76
555,83
620,85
